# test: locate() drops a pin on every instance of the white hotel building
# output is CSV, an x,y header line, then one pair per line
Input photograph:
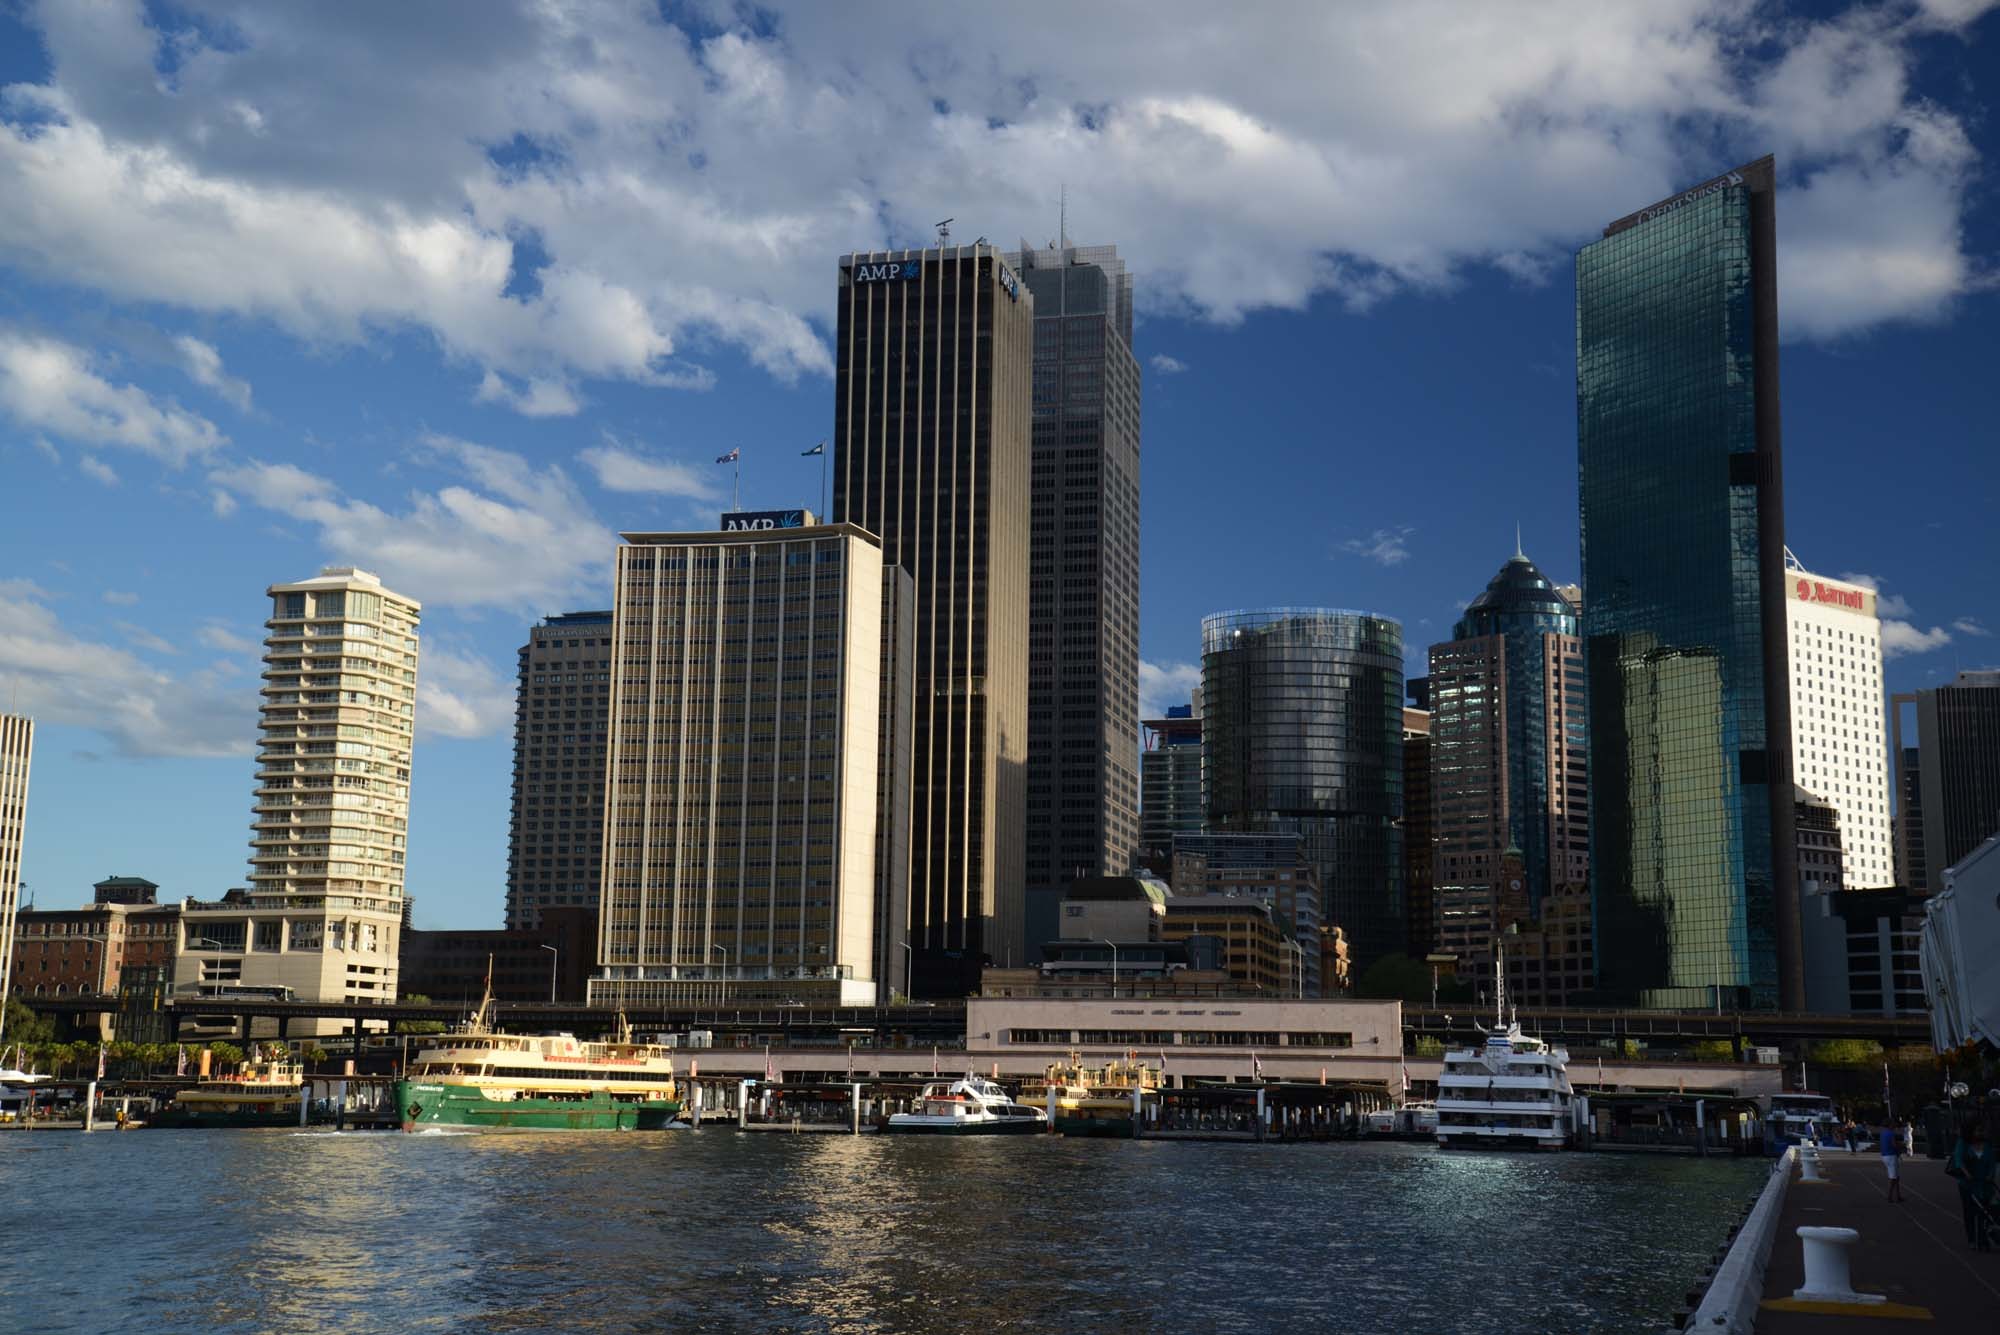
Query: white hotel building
x,y
1838,745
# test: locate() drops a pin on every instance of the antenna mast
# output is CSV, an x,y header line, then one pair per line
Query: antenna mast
x,y
944,231
1062,219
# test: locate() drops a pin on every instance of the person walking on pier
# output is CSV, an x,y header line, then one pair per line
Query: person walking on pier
x,y
1973,1164
1892,1158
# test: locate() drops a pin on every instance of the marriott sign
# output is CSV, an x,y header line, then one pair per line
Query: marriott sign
x,y
1808,590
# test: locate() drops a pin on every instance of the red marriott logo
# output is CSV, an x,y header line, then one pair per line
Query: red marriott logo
x,y
1814,591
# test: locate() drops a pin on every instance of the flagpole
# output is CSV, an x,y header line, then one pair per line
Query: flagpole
x,y
822,483
736,481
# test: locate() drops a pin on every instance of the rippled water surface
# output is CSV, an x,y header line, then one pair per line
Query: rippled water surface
x,y
718,1231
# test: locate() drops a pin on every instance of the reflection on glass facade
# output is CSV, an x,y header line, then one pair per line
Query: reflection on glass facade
x,y
1302,719
1684,618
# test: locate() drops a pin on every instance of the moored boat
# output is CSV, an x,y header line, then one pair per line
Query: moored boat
x,y
481,1077
258,1093
1510,1092
1410,1121
1095,1101
974,1106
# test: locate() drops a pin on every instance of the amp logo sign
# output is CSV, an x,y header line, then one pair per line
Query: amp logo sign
x,y
887,271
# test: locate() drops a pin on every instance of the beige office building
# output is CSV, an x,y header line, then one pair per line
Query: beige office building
x,y
324,910
17,744
741,796
1840,752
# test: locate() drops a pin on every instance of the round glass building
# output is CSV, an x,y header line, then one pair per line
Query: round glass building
x,y
1302,733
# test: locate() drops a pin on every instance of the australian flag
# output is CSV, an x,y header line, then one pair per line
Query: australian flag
x,y
730,457
817,449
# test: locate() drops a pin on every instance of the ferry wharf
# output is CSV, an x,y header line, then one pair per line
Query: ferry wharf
x,y
1913,1254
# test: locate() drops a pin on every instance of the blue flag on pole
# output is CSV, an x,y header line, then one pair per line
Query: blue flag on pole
x,y
817,449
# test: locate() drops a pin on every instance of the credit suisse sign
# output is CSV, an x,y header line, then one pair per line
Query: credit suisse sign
x,y
1832,595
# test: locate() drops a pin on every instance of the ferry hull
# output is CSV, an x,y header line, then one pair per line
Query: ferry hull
x,y
1010,1126
176,1119
1110,1126
423,1104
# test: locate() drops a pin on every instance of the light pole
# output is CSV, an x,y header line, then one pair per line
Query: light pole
x,y
909,969
555,957
712,946
1301,951
1114,962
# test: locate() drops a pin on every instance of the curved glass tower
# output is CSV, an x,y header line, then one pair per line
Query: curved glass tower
x,y
1302,726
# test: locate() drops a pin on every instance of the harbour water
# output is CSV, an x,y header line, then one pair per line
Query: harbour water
x,y
283,1231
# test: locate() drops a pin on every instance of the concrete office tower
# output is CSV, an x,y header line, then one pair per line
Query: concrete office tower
x,y
1170,780
1838,749
1958,771
1912,867
1083,602
1682,514
1302,725
17,746
1508,769
892,783
562,708
740,825
933,359
333,767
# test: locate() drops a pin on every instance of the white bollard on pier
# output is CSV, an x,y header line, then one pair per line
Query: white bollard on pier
x,y
1826,1267
1809,1165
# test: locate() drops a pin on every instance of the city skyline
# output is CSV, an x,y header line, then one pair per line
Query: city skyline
x,y
1368,436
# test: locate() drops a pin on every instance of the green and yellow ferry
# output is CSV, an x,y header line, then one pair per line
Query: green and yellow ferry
x,y
479,1077
1096,1101
259,1092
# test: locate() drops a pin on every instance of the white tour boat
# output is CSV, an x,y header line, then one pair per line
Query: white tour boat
x,y
1806,1115
1412,1121
974,1106
1512,1091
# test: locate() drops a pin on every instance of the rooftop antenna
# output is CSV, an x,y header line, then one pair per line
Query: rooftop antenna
x,y
944,230
1062,217
1519,555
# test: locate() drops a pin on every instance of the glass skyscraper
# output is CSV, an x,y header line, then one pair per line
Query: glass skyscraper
x,y
1302,726
1682,514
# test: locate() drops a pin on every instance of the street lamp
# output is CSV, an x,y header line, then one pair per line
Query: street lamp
x,y
1114,962
909,970
725,969
555,957
1301,950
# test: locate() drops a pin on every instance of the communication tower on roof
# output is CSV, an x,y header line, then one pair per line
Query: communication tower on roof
x,y
944,230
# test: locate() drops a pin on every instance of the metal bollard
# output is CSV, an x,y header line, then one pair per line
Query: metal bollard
x,y
1826,1267
1809,1165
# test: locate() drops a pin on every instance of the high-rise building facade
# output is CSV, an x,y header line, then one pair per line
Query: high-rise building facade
x,y
1680,491
1838,748
740,828
336,723
1083,601
17,747
1419,904
1509,770
934,354
1302,727
562,708
1958,771
1170,780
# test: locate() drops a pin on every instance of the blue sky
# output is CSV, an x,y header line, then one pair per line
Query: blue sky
x,y
457,297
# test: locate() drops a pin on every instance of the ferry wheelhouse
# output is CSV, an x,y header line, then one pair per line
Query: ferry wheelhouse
x,y
480,1077
1512,1091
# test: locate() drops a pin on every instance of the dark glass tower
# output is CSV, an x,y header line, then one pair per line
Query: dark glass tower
x,y
555,857
934,352
1302,727
1083,605
1508,763
1682,512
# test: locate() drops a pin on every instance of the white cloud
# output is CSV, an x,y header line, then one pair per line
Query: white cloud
x,y
557,195
1385,546
49,385
460,694
1970,626
120,598
97,470
539,397
1886,604
1901,638
217,636
56,675
504,534
621,469
1164,684
203,365
1165,365
146,639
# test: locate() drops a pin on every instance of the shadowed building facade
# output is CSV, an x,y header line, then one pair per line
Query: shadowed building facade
x,y
562,708
1682,515
17,746
934,352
